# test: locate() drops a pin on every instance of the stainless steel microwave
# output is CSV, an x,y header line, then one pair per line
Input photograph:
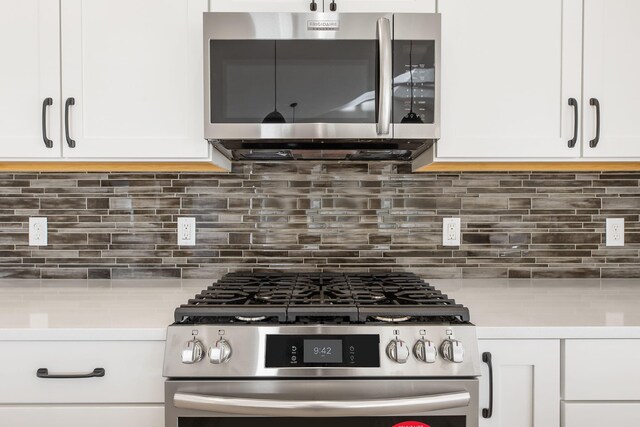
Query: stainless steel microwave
x,y
322,85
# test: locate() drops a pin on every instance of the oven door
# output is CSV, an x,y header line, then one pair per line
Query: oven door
x,y
274,76
319,403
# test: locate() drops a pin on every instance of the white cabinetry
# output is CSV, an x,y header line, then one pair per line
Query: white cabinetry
x,y
30,73
263,6
590,374
600,414
526,383
341,6
82,416
134,70
611,70
598,390
398,6
129,394
509,68
125,74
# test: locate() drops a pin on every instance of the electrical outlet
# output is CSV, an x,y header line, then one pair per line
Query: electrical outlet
x,y
615,231
451,232
186,231
38,231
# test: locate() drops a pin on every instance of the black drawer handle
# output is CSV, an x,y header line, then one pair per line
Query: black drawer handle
x,y
594,142
488,412
574,104
333,6
47,142
70,101
313,6
44,373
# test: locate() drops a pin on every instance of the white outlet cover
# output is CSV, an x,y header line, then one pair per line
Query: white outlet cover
x,y
451,232
38,231
615,232
186,231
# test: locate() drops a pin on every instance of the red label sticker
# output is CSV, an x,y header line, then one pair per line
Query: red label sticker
x,y
411,424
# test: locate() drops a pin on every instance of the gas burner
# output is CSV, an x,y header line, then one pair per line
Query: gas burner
x,y
392,319
251,319
324,297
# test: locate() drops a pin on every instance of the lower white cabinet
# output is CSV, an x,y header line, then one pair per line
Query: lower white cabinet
x,y
133,372
82,416
601,390
590,373
625,414
526,383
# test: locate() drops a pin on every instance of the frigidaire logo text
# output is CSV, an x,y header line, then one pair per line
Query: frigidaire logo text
x,y
323,25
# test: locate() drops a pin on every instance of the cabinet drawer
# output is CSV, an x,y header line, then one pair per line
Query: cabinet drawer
x,y
82,416
601,370
133,371
600,414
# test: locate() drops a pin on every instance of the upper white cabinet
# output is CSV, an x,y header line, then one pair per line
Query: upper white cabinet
x,y
263,6
398,6
29,78
526,383
611,73
509,68
408,6
132,83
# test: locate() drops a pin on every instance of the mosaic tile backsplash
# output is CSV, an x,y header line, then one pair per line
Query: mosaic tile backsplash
x,y
328,216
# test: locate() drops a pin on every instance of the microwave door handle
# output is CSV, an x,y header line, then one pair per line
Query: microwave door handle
x,y
385,89
322,408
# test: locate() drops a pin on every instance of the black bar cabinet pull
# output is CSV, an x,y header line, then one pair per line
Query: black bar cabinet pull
x,y
70,101
44,373
47,102
488,412
594,142
333,6
574,104
313,6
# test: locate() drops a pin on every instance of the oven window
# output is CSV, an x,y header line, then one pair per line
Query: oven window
x,y
305,81
413,71
408,421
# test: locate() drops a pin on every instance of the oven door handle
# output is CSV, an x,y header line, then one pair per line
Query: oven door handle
x,y
385,66
322,408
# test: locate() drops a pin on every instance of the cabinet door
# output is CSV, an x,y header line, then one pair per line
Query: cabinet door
x,y
611,70
263,6
583,414
82,416
526,383
385,6
134,69
133,372
509,68
30,73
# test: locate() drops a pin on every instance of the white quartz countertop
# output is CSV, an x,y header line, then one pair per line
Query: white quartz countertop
x,y
141,309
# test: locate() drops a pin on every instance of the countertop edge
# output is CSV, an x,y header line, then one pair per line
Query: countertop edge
x,y
159,334
84,334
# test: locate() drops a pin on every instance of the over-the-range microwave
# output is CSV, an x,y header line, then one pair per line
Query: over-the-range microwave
x,y
322,85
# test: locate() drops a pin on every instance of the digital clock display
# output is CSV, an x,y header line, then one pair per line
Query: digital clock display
x,y
322,351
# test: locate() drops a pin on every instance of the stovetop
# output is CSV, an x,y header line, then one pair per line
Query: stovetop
x,y
309,298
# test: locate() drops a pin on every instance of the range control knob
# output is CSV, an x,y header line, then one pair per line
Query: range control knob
x,y
398,351
452,351
220,352
193,352
425,351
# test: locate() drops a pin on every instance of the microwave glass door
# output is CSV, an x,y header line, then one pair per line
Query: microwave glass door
x,y
306,81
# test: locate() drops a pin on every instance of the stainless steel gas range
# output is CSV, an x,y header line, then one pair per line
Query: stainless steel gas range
x,y
383,350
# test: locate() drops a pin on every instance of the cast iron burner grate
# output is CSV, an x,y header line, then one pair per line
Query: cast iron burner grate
x,y
321,298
